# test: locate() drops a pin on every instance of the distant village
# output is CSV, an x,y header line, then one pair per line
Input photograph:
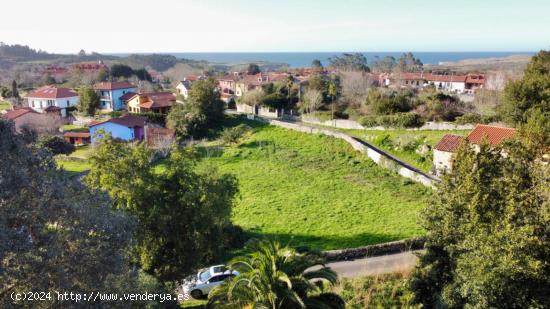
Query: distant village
x,y
123,103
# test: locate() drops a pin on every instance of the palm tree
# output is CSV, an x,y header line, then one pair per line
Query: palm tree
x,y
273,276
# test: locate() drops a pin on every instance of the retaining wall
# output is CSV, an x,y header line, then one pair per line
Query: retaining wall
x,y
375,250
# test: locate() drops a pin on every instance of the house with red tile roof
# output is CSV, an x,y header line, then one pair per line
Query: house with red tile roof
x,y
48,97
445,149
445,82
112,94
156,102
125,127
77,138
45,123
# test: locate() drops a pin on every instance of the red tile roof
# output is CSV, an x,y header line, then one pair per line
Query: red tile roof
x,y
127,96
129,121
113,85
449,143
494,135
76,134
475,79
52,92
16,113
157,99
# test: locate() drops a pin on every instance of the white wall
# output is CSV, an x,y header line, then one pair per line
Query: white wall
x,y
442,161
39,104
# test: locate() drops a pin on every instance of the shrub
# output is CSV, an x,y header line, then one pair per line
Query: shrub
x,y
475,118
56,145
399,120
234,134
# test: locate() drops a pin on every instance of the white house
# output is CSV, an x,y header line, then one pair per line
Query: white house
x,y
444,150
112,94
48,97
445,82
183,88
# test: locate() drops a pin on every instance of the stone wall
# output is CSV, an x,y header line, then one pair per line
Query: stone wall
x,y
374,250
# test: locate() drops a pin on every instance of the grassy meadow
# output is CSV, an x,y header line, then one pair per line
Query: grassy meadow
x,y
316,191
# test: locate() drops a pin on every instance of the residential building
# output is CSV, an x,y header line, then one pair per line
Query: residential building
x,y
445,82
92,68
227,84
77,138
444,151
126,127
183,88
156,102
27,118
112,93
51,96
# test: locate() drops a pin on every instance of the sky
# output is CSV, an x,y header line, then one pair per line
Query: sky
x,y
108,26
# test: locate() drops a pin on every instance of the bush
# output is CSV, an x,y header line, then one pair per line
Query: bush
x,y
475,118
234,134
56,145
399,120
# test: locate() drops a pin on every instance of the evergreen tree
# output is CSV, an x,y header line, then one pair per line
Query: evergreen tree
x,y
488,241
88,101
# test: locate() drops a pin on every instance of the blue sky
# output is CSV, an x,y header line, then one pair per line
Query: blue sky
x,y
282,25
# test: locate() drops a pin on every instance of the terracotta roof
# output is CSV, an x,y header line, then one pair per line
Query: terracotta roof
x,y
127,96
129,121
445,78
494,135
157,99
449,143
16,113
475,79
76,134
113,85
52,92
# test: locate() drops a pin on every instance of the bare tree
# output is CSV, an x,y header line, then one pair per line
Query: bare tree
x,y
312,100
355,86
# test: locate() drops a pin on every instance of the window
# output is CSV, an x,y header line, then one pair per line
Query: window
x,y
69,103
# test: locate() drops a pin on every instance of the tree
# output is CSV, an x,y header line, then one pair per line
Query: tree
x,y
385,65
332,91
253,69
276,276
102,75
316,65
56,145
530,92
14,91
48,80
88,101
203,110
311,101
143,74
121,70
182,215
350,62
55,233
487,231
408,63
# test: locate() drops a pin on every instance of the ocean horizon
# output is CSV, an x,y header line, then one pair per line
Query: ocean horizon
x,y
304,59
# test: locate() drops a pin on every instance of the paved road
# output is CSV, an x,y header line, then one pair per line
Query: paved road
x,y
375,265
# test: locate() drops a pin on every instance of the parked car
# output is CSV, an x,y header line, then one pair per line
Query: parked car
x,y
207,278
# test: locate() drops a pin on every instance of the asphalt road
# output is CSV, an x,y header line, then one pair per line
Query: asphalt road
x,y
375,265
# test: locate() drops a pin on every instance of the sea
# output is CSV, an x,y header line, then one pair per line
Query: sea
x,y
304,59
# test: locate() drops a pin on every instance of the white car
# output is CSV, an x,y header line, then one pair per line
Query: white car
x,y
206,279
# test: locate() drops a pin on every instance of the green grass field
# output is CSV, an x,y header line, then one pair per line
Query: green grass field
x,y
4,105
73,167
316,191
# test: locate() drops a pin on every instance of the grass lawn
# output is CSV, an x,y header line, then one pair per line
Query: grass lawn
x,y
72,127
82,152
396,142
4,105
74,167
316,190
